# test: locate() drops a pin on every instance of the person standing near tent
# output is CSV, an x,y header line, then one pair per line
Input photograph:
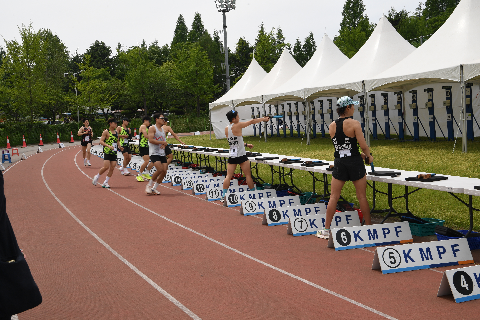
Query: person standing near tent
x,y
87,139
346,133
124,134
143,148
109,141
238,155
156,147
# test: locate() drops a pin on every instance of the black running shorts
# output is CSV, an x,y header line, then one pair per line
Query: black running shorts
x,y
155,158
168,150
143,151
85,143
349,168
238,160
126,149
110,157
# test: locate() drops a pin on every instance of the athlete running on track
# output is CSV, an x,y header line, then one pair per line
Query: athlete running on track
x,y
156,144
87,138
124,134
238,155
143,147
168,151
109,141
348,165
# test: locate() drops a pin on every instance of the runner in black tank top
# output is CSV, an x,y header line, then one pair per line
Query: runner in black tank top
x,y
348,165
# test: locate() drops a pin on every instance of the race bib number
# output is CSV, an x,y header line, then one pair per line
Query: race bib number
x,y
233,152
344,153
87,138
114,145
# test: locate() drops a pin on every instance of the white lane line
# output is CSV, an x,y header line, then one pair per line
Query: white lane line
x,y
131,266
246,255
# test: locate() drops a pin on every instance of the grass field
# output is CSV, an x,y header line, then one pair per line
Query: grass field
x,y
425,156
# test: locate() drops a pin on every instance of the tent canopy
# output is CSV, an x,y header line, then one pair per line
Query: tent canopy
x,y
249,80
383,49
285,68
325,61
440,57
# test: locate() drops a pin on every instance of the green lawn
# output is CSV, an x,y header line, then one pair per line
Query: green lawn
x,y
425,156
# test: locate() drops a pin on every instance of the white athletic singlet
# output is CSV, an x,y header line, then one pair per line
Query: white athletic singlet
x,y
237,146
154,149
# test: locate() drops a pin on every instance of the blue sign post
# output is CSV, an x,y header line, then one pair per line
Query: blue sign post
x,y
297,117
469,109
374,116
322,119
290,116
254,126
431,113
361,109
448,105
330,110
259,124
414,107
314,122
401,121
386,114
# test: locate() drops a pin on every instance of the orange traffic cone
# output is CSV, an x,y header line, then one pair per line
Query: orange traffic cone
x,y
134,132
71,137
58,138
8,144
24,143
41,141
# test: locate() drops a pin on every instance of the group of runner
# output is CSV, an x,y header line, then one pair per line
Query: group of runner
x,y
153,147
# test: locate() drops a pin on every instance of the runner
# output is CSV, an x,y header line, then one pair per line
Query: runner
x,y
87,139
143,147
346,133
156,144
109,141
238,155
168,151
124,134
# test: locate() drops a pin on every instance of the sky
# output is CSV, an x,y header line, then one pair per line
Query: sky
x,y
79,23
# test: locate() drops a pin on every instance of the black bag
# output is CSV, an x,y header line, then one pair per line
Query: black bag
x,y
18,290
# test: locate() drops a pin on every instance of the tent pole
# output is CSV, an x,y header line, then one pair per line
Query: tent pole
x,y
307,103
464,111
403,112
210,124
367,122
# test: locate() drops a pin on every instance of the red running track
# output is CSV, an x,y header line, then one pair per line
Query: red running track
x,y
120,254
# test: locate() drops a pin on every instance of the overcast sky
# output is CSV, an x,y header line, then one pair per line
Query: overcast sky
x,y
79,23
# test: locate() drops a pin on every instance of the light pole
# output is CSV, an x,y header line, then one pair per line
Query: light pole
x,y
224,6
76,94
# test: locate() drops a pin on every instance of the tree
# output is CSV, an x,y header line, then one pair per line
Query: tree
x,y
241,59
355,28
180,35
194,76
436,12
266,49
98,88
309,47
280,43
159,55
3,54
197,30
100,56
56,58
298,52
410,27
22,76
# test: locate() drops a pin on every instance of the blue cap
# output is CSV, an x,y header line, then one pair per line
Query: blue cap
x,y
346,101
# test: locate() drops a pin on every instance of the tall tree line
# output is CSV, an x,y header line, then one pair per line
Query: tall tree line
x,y
39,77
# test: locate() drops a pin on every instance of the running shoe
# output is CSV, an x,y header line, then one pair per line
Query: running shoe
x,y
146,176
88,163
140,179
105,185
95,180
126,172
148,189
156,192
85,162
323,234
120,168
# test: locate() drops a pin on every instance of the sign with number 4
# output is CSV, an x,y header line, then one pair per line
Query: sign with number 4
x,y
463,283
